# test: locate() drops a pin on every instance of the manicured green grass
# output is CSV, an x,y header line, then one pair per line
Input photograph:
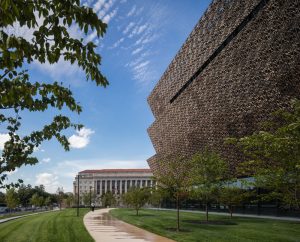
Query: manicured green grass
x,y
241,229
58,226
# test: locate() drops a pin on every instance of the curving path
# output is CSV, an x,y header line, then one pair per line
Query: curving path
x,y
104,228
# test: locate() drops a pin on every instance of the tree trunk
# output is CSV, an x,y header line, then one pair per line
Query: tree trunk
x,y
137,212
177,207
230,210
206,209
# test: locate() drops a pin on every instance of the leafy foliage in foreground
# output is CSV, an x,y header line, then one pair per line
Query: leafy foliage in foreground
x,y
49,22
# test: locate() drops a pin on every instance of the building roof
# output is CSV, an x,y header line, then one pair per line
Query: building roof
x,y
115,170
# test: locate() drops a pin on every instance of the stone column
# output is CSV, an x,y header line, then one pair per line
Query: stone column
x,y
126,185
100,187
110,186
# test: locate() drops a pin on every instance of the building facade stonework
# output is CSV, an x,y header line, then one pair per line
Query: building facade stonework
x,y
116,181
240,63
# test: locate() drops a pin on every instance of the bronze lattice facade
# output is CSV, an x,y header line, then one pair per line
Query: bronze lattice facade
x,y
240,63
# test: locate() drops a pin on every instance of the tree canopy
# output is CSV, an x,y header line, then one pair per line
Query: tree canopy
x,y
136,198
209,170
49,22
273,156
173,177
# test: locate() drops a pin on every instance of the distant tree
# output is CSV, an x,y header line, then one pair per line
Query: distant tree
x,y
208,170
173,176
69,200
60,196
136,198
108,199
24,194
86,198
48,201
35,200
273,156
2,198
11,198
51,41
41,201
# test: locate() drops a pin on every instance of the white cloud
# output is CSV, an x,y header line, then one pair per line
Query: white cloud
x,y
117,43
81,139
137,50
50,181
109,16
142,65
138,30
91,36
3,139
46,160
98,5
105,8
128,27
60,70
132,11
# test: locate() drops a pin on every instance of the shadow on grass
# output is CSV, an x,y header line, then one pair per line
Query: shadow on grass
x,y
211,222
141,215
181,230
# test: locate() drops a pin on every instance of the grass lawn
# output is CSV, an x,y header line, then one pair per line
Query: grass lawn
x,y
58,226
237,229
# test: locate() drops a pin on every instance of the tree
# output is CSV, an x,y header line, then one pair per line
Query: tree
x,y
11,198
48,201
60,196
24,194
232,196
86,198
273,156
49,22
41,201
136,198
208,170
35,200
173,176
108,199
2,198
156,197
69,200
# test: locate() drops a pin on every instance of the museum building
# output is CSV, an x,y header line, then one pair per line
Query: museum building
x,y
240,63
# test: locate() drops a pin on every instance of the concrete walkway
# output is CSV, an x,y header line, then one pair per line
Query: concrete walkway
x,y
235,214
104,228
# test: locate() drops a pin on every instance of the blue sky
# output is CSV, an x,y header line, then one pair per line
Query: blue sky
x,y
142,38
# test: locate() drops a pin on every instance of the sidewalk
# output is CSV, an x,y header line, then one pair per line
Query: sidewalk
x,y
104,228
22,216
235,214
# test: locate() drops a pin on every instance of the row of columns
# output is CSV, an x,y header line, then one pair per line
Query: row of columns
x,y
98,185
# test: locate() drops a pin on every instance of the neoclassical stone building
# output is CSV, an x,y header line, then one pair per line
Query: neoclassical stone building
x,y
117,181
240,63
